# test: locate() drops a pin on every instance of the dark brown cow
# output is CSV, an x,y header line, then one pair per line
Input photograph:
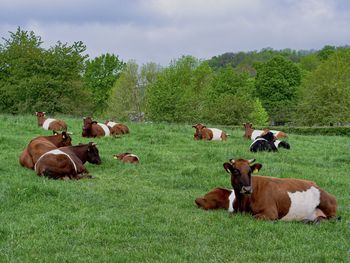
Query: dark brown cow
x,y
68,162
117,128
50,124
94,129
41,145
251,133
204,133
127,157
278,198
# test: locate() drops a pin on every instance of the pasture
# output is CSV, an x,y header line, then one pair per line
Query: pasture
x,y
146,212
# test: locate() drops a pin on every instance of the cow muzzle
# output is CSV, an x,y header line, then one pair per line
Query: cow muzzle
x,y
247,190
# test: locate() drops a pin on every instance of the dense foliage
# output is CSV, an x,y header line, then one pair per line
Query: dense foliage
x,y
267,86
36,79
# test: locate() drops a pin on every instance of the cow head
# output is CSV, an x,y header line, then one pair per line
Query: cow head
x,y
40,114
217,198
198,133
87,125
241,172
64,139
93,154
248,129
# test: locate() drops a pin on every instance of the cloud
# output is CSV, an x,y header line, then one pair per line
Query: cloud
x,y
159,31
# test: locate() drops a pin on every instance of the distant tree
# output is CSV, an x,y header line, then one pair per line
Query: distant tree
x,y
325,93
325,52
276,84
310,62
100,76
33,78
230,97
127,94
176,95
259,115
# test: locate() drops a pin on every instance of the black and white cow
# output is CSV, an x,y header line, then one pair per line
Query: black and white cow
x,y
267,143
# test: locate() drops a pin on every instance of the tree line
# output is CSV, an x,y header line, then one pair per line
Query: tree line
x,y
268,86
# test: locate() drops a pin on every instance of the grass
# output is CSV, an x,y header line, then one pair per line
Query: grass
x,y
146,212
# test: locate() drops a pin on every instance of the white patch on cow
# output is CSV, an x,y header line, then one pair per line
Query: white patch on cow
x,y
231,199
111,124
255,134
303,204
47,123
258,139
276,143
105,129
216,134
56,152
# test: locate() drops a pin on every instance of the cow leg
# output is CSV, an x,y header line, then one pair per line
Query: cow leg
x,y
26,160
270,214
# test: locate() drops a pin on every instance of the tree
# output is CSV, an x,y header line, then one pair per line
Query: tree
x,y
175,95
36,79
100,76
259,115
325,93
276,84
127,95
230,97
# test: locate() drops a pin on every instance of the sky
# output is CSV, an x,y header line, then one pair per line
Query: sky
x,y
163,30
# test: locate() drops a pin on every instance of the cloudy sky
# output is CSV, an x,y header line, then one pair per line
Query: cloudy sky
x,y
162,30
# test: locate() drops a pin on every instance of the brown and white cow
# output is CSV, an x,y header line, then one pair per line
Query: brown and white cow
x,y
127,158
272,198
117,128
94,129
67,162
50,124
251,133
40,145
210,134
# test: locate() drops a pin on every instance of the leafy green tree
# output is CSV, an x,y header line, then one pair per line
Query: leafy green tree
x,y
259,115
33,78
230,98
127,95
276,84
325,93
176,94
100,76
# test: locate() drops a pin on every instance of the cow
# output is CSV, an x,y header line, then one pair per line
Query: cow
x,y
268,142
50,124
251,133
68,162
127,158
117,128
42,144
210,134
217,198
94,129
270,198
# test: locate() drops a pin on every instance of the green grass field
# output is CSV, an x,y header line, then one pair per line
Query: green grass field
x,y
146,212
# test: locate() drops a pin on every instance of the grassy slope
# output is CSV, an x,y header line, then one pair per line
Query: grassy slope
x,y
146,213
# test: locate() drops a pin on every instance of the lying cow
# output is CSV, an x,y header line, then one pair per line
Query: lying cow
x,y
127,158
117,128
267,142
94,129
251,133
50,124
42,144
217,198
67,162
204,133
271,198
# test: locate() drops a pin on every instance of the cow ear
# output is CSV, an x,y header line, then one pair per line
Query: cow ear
x,y
228,167
64,135
256,167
